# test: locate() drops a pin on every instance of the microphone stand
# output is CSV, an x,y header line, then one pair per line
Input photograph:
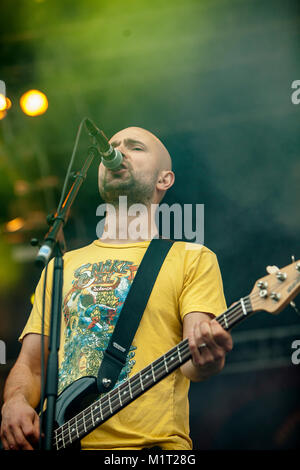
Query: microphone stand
x,y
54,243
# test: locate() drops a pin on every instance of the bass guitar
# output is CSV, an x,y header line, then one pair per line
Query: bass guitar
x,y
79,410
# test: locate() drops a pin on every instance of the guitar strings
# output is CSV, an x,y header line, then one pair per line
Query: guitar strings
x,y
109,399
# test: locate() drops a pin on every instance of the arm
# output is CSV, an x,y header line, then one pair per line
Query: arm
x,y
199,328
20,422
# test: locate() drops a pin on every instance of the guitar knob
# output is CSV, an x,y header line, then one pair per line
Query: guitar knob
x,y
106,382
294,306
281,276
263,293
262,284
275,296
298,267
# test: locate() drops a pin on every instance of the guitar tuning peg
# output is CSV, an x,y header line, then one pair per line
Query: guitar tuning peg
x,y
272,269
294,306
297,265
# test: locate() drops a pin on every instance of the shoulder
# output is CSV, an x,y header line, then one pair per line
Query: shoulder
x,y
78,252
192,251
189,258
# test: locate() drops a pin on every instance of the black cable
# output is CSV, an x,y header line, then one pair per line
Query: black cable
x,y
43,355
70,166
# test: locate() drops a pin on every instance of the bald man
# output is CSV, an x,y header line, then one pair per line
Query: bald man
x,y
187,296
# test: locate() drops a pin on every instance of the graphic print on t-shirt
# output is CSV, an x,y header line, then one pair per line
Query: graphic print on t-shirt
x,y
91,309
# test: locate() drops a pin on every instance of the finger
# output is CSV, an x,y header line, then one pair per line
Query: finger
x,y
4,442
221,337
206,355
31,429
21,443
203,340
207,335
193,344
216,350
9,437
37,427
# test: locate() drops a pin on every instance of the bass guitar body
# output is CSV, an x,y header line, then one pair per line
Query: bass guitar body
x,y
75,398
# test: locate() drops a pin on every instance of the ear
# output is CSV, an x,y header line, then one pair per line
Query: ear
x,y
166,180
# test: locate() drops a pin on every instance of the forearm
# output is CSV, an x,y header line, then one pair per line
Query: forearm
x,y
23,383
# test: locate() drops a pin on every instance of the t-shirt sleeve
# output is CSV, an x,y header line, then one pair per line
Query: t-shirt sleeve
x,y
34,322
203,286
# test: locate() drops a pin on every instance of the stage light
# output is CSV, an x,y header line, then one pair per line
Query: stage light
x,y
34,103
3,104
8,103
15,224
21,187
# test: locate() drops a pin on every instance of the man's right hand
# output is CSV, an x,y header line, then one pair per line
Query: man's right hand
x,y
20,423
20,427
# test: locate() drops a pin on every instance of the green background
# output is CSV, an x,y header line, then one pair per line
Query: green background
x,y
212,79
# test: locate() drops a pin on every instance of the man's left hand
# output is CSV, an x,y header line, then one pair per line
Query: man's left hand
x,y
208,343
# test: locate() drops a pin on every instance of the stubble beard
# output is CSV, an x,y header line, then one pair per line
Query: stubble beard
x,y
138,190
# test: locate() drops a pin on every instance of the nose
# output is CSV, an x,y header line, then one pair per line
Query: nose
x,y
122,149
125,159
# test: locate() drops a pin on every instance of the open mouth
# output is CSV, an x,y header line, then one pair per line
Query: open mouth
x,y
116,172
120,169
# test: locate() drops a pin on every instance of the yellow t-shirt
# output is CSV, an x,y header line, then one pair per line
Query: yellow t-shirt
x,y
96,281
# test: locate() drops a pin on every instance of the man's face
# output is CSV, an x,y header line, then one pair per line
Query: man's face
x,y
139,172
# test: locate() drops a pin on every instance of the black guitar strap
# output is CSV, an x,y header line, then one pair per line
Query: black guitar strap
x,y
114,357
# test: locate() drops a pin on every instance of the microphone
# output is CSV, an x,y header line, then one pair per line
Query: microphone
x,y
111,157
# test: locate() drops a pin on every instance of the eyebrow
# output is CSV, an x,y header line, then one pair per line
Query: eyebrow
x,y
129,143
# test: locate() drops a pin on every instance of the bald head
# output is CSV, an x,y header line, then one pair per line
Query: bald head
x,y
147,171
163,158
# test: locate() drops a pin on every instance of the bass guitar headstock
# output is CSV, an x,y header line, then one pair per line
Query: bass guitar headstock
x,y
275,291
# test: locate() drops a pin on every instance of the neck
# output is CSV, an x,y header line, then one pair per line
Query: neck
x,y
123,224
